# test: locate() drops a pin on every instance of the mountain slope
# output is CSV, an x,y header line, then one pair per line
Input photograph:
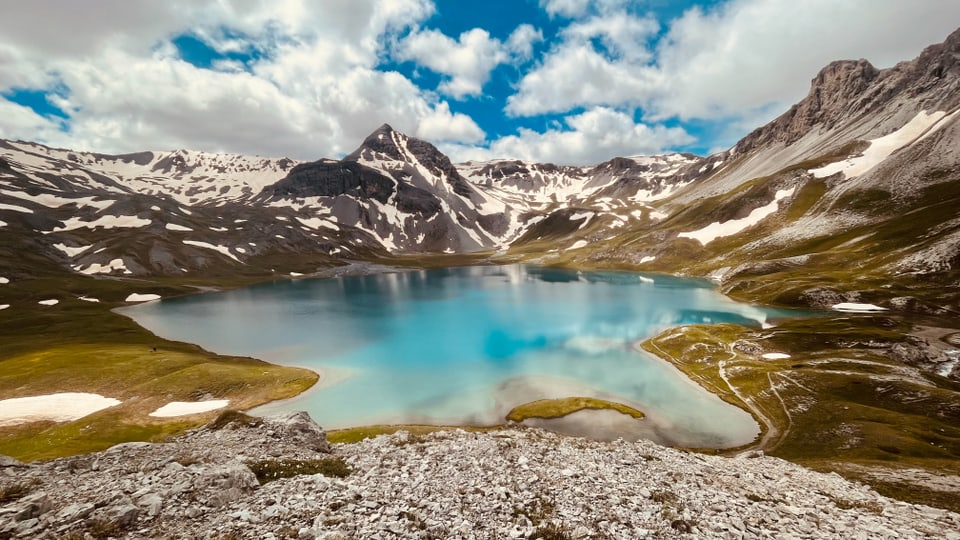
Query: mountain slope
x,y
863,169
850,195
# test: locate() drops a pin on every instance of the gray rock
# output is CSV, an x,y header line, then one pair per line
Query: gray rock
x,y
152,502
452,485
32,506
7,461
298,427
74,512
124,515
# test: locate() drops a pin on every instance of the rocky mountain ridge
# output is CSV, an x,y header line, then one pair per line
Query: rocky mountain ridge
x,y
232,480
399,195
829,180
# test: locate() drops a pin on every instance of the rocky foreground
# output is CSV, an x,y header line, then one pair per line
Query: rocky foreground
x,y
514,483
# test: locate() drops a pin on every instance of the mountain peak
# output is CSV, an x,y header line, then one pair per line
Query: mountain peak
x,y
846,90
843,79
384,140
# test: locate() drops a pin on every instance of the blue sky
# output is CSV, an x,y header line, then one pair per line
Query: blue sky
x,y
566,81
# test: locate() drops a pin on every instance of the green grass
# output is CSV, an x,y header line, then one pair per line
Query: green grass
x,y
275,469
558,408
78,346
836,401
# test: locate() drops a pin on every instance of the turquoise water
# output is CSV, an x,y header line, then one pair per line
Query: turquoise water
x,y
465,345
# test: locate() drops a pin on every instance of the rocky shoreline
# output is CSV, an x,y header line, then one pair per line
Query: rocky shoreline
x,y
215,482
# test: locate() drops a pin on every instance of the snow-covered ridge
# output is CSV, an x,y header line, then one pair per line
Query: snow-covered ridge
x,y
188,176
542,183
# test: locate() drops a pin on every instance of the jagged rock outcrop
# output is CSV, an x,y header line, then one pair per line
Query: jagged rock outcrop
x,y
514,483
845,91
327,178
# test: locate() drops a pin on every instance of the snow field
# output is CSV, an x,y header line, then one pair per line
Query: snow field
x,y
183,408
728,228
60,407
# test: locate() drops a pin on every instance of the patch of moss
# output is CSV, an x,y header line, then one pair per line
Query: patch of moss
x,y
270,470
558,408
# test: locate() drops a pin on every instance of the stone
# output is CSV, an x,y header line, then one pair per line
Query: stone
x,y
152,502
124,515
32,506
7,461
454,485
300,428
74,512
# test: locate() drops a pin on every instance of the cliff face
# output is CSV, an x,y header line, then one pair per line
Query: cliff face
x,y
846,91
219,482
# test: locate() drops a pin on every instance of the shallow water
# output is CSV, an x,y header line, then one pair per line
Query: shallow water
x,y
465,345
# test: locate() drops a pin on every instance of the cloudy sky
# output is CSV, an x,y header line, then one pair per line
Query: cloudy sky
x,y
566,81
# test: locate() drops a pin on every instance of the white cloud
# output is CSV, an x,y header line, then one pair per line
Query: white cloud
x,y
742,57
317,92
577,75
521,40
468,61
440,125
565,8
592,136
753,53
579,8
624,36
318,87
20,122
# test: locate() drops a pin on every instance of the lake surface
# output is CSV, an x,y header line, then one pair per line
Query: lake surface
x,y
465,345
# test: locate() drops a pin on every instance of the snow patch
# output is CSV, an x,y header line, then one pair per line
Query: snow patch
x,y
175,227
50,302
295,274
71,251
4,306
728,228
221,249
183,408
61,407
138,297
53,201
97,268
4,281
852,307
578,244
107,222
15,208
316,223
87,299
775,356
647,258
882,147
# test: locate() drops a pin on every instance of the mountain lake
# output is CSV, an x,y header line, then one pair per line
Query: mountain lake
x,y
463,346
